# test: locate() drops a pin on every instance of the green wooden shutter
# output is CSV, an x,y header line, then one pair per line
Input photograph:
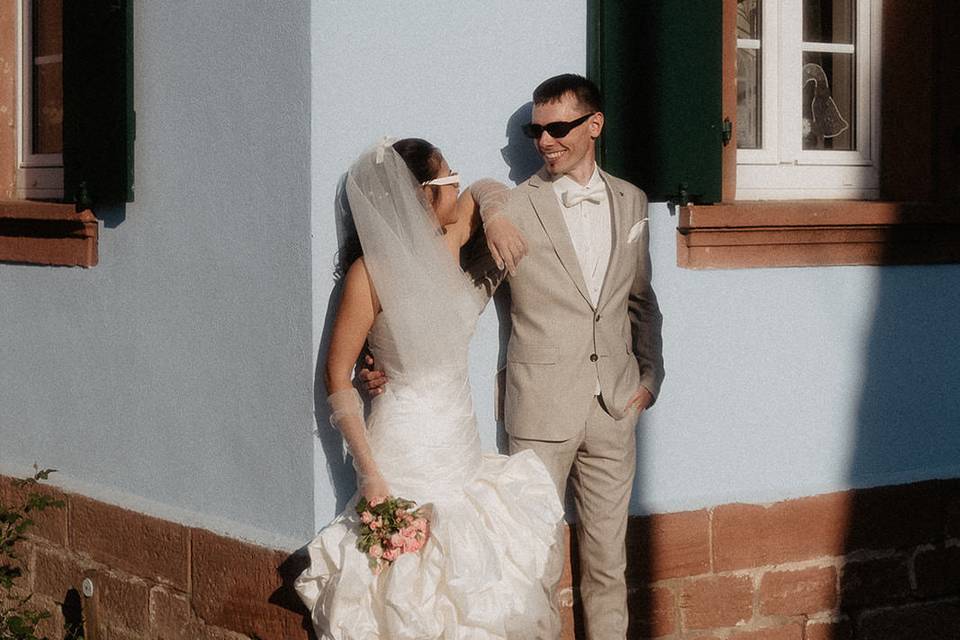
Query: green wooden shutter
x,y
98,117
658,66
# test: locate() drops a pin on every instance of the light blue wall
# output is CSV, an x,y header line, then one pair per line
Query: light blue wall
x,y
780,382
175,377
791,382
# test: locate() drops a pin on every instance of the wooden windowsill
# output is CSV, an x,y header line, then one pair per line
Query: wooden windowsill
x,y
47,233
740,235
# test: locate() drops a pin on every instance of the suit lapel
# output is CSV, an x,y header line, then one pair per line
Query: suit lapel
x,y
618,219
544,202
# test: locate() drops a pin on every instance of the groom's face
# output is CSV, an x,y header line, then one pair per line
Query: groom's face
x,y
574,152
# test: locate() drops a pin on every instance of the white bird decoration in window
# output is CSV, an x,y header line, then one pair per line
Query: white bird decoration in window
x,y
827,121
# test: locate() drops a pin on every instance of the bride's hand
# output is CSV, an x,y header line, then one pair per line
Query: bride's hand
x,y
374,486
505,242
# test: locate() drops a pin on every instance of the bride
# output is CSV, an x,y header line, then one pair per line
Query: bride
x,y
492,559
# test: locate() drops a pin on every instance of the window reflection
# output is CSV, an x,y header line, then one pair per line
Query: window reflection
x,y
47,54
829,21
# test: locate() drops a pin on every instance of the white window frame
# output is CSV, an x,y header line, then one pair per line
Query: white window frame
x,y
39,175
781,169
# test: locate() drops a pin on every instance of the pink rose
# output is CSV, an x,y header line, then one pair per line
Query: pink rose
x,y
376,523
396,541
377,500
411,545
391,554
366,517
420,524
375,551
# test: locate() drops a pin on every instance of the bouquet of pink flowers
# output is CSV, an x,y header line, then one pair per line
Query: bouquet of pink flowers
x,y
390,527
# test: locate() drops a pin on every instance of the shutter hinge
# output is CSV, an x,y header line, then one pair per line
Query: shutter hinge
x,y
680,199
726,131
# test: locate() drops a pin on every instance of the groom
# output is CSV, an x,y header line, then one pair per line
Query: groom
x,y
584,357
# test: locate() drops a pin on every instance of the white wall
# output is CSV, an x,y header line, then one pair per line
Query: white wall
x,y
175,377
780,382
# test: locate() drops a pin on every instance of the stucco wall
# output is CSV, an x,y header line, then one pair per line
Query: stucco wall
x,y
175,377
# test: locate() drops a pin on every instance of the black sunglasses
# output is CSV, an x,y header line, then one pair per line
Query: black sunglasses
x,y
555,129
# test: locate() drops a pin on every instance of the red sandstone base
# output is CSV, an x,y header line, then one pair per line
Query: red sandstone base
x,y
873,564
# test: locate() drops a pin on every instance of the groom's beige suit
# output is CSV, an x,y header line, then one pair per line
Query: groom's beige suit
x,y
563,348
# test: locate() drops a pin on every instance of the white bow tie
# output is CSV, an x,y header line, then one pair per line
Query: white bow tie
x,y
595,194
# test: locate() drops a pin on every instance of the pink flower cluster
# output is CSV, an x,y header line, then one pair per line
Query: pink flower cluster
x,y
390,527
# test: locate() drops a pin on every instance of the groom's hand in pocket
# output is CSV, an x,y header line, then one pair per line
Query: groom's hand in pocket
x,y
640,401
372,380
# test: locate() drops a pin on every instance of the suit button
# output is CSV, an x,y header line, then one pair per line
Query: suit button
x,y
597,319
593,357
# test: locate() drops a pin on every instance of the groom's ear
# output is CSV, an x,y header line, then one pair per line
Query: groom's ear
x,y
596,125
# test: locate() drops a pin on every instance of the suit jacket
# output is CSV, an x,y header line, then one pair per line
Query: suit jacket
x,y
560,343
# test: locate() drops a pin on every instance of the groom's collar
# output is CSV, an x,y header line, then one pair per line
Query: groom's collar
x,y
543,177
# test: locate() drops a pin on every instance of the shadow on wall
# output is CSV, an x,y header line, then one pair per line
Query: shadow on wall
x,y
522,158
112,215
901,568
901,579
286,595
519,153
339,467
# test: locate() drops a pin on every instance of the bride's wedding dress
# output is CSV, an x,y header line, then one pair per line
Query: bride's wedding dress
x,y
492,560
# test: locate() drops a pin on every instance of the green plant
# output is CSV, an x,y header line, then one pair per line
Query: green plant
x,y
18,619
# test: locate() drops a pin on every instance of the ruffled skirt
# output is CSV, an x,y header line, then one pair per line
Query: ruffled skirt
x,y
488,571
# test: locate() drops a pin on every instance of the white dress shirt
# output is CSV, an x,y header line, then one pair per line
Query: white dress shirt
x,y
589,225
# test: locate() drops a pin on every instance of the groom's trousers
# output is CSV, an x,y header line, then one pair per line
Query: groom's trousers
x,y
600,462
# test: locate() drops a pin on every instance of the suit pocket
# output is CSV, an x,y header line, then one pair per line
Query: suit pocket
x,y
532,354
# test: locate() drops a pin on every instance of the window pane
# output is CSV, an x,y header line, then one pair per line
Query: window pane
x,y
48,108
748,19
47,103
829,21
47,27
748,99
829,99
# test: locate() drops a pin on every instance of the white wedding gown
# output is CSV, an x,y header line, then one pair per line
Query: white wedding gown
x,y
492,561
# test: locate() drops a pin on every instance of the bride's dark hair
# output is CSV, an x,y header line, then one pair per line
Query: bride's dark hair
x,y
421,157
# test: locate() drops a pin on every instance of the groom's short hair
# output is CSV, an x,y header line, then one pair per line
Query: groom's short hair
x,y
553,89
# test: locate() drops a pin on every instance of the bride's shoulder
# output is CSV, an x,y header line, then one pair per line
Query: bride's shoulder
x,y
359,283
358,266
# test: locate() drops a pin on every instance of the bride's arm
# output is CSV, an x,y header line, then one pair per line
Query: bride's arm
x,y
483,204
355,316
504,241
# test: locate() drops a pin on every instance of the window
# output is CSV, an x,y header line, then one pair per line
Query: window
x,y
40,103
70,99
678,106
808,109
